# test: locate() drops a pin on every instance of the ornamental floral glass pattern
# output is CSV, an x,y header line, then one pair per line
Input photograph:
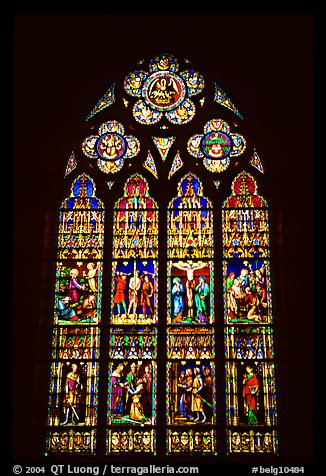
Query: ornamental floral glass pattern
x,y
111,147
73,396
132,373
190,372
217,145
251,412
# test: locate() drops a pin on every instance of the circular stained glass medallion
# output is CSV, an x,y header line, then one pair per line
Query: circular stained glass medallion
x,y
111,146
216,145
164,90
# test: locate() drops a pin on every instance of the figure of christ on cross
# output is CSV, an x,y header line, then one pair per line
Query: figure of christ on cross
x,y
190,267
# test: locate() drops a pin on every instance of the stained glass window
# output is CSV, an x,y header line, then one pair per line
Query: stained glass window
x,y
251,411
190,409
171,301
132,371
73,396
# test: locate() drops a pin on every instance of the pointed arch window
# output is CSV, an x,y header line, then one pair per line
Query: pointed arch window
x,y
249,366
132,379
191,404
73,395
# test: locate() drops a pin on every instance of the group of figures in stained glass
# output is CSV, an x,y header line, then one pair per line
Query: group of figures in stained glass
x,y
132,372
134,295
134,271
78,296
131,392
247,289
191,390
190,293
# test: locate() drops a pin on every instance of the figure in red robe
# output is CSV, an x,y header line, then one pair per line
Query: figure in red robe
x,y
250,395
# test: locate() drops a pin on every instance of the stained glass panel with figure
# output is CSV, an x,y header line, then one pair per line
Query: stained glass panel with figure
x,y
251,410
132,371
190,372
74,375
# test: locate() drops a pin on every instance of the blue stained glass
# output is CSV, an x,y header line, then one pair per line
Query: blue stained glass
x,y
70,203
84,186
94,203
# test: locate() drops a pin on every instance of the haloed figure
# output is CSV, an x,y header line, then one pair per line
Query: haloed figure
x,y
201,294
74,286
117,390
178,299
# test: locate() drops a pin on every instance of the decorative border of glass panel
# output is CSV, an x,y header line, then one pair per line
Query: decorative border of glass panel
x,y
191,442
191,393
133,343
72,442
190,343
122,441
239,441
75,343
190,222
248,342
135,226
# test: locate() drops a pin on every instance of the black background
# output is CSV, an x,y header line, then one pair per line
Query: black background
x,y
62,64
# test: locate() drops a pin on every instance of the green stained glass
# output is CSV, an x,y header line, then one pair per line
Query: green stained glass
x,y
106,100
221,98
